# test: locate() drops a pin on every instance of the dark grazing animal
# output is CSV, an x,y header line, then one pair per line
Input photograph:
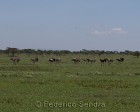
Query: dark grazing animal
x,y
54,60
91,60
34,60
102,61
106,60
15,60
109,61
51,60
87,60
120,59
76,60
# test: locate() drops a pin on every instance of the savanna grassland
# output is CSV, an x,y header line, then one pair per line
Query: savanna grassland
x,y
70,87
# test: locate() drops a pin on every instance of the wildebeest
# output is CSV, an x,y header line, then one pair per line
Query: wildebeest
x,y
56,60
109,61
34,60
102,61
89,60
106,60
76,60
15,60
51,60
120,59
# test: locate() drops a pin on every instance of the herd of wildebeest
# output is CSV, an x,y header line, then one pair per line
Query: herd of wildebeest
x,y
16,60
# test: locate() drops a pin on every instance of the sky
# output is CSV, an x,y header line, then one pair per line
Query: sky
x,y
70,24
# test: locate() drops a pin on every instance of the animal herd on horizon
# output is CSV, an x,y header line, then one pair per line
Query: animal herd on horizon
x,y
16,60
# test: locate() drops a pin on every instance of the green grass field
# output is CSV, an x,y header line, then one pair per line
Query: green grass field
x,y
69,87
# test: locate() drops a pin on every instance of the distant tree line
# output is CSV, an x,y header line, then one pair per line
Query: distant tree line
x,y
15,51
